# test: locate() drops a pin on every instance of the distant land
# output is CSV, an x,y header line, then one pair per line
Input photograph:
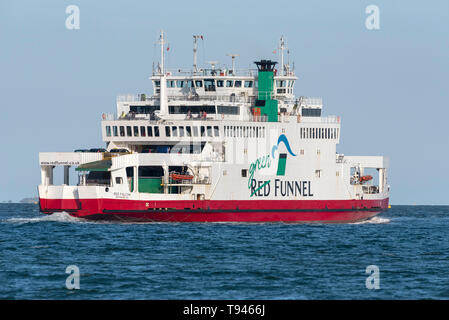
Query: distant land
x,y
29,200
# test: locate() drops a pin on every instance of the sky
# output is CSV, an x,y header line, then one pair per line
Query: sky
x,y
389,85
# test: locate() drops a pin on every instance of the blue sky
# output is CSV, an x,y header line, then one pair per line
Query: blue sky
x,y
390,86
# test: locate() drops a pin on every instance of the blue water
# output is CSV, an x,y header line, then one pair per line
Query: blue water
x,y
409,244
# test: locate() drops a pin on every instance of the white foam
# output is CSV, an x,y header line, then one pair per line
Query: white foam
x,y
55,217
374,220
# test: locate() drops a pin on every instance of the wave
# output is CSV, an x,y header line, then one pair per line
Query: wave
x,y
55,217
374,220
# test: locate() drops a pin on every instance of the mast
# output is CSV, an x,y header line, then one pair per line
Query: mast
x,y
281,48
195,49
163,84
162,42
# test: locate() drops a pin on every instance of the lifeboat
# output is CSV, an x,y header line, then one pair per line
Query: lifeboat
x,y
365,178
177,176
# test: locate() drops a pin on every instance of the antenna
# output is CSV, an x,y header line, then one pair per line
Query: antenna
x,y
212,64
195,47
233,61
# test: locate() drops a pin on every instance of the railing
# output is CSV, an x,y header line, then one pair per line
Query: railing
x,y
311,102
189,97
370,189
207,72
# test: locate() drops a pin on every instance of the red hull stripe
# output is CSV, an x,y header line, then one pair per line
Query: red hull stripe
x,y
219,210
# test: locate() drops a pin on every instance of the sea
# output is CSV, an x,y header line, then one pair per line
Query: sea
x,y
401,254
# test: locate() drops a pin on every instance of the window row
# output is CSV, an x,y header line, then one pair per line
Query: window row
x,y
170,131
207,83
319,133
208,109
244,132
285,83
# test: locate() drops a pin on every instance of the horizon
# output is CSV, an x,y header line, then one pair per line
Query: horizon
x,y
383,83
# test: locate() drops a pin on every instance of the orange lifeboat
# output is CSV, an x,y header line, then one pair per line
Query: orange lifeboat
x,y
177,176
365,178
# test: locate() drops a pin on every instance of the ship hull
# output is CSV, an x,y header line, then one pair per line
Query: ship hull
x,y
290,211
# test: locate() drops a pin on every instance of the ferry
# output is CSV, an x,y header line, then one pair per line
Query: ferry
x,y
217,144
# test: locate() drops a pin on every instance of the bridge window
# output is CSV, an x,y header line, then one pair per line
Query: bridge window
x,y
181,131
192,109
220,83
199,83
174,131
156,131
180,83
248,84
229,83
238,84
122,131
209,131
203,131
188,131
190,84
209,84
170,84
114,129
136,131
311,112
167,131
129,132
195,131
216,131
108,131
150,131
143,109
142,131
228,110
